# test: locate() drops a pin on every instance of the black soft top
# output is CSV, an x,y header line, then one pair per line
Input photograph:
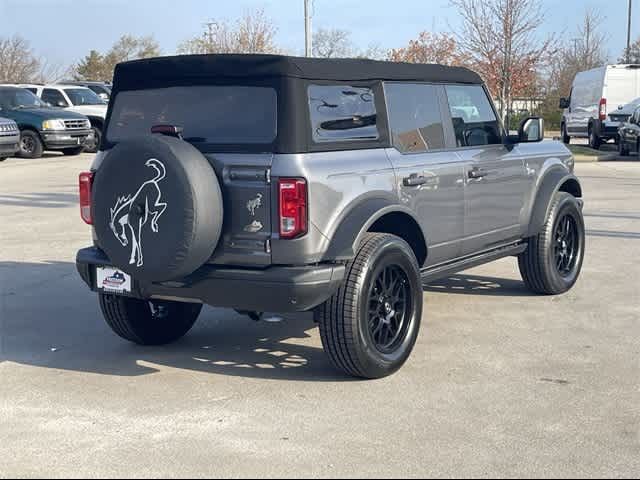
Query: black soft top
x,y
260,67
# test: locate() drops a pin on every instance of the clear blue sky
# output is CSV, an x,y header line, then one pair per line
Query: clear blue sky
x,y
65,30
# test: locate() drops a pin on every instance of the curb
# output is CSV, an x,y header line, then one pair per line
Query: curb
x,y
595,158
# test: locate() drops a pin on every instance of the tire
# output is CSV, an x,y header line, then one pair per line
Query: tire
x,y
353,336
148,322
2,159
170,194
623,150
542,269
97,135
30,145
594,140
72,152
566,139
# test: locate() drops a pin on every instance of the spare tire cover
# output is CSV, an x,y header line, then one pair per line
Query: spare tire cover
x,y
157,208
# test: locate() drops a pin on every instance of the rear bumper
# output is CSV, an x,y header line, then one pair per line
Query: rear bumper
x,y
274,289
68,139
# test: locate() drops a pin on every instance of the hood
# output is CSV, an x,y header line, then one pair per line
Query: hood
x,y
91,110
35,116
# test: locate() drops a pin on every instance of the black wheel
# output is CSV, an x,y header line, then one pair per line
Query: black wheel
x,y
30,145
566,139
72,152
93,145
623,149
594,140
2,159
152,322
553,259
370,326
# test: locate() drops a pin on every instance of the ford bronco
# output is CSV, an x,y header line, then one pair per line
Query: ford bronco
x,y
278,184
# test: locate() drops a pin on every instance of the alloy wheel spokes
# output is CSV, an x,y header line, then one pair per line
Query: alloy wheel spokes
x,y
388,308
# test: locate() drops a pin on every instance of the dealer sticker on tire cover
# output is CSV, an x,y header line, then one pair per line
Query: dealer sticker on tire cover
x,y
112,280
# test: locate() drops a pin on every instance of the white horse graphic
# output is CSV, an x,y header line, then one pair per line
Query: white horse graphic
x,y
132,212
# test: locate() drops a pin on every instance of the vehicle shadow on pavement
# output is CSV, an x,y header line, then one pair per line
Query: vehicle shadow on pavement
x,y
479,285
49,319
40,200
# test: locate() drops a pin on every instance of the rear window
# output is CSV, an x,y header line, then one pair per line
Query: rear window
x,y
340,113
225,115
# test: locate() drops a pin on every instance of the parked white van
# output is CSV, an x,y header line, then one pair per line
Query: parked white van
x,y
595,97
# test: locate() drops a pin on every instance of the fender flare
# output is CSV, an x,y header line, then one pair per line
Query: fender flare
x,y
98,121
356,223
552,183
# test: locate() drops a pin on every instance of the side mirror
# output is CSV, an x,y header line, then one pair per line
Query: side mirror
x,y
565,103
531,130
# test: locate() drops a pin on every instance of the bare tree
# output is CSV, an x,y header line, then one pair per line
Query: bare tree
x,y
18,64
502,41
429,48
254,32
128,48
332,43
98,66
633,56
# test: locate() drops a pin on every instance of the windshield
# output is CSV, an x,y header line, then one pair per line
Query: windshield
x,y
83,96
15,98
236,115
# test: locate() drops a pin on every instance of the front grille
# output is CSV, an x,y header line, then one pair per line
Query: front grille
x,y
77,124
618,118
8,128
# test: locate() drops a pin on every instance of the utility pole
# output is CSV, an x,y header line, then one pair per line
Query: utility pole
x,y
308,47
628,55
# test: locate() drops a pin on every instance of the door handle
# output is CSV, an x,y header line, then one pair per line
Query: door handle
x,y
414,180
476,173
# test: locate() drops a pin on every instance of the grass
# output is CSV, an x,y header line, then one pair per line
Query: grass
x,y
586,151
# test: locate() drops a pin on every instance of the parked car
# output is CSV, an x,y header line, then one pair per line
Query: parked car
x,y
9,138
43,127
629,134
103,90
279,184
595,97
76,99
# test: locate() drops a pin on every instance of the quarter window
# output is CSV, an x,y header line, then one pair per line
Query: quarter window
x,y
341,113
474,121
415,117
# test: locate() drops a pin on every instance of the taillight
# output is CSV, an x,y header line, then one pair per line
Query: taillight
x,y
603,109
292,193
85,182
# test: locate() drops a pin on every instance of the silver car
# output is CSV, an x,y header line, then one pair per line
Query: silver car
x,y
9,138
279,184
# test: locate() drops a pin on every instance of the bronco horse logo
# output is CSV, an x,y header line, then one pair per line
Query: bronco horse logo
x,y
132,212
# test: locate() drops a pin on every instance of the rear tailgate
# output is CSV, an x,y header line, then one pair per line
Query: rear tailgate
x,y
246,191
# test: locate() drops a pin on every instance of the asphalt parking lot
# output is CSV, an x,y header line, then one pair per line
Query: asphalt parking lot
x,y
501,383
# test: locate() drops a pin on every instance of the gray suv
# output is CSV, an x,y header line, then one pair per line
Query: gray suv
x,y
278,184
9,138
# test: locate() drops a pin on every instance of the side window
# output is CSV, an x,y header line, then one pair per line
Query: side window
x,y
54,97
474,122
340,113
414,117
